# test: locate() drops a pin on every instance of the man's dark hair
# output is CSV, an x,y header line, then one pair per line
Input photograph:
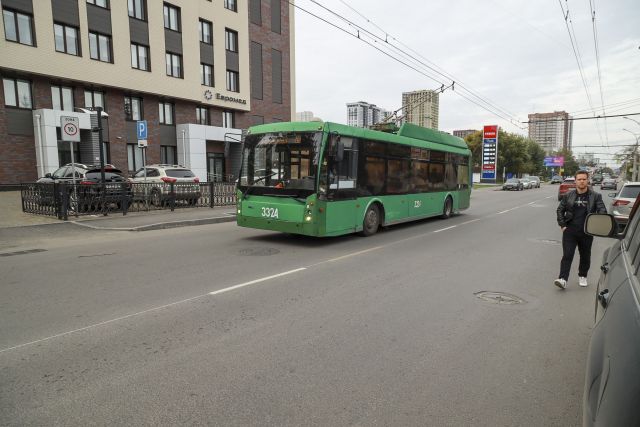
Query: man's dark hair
x,y
581,172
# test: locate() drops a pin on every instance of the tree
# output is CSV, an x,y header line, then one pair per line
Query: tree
x,y
474,142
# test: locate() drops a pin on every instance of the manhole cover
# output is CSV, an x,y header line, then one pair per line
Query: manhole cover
x,y
259,251
499,297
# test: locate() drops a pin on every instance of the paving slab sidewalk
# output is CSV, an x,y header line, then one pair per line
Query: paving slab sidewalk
x,y
11,215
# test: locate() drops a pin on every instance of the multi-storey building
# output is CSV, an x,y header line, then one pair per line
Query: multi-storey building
x,y
464,133
362,114
421,107
197,71
553,131
307,116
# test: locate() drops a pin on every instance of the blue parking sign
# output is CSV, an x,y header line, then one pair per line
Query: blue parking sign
x,y
142,129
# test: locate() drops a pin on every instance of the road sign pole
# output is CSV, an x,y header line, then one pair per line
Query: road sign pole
x,y
102,176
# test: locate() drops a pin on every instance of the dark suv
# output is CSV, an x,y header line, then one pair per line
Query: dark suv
x,y
612,382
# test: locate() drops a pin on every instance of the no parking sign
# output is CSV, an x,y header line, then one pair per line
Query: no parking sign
x,y
70,128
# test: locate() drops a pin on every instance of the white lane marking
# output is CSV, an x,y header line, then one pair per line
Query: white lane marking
x,y
253,282
469,222
446,228
349,255
106,322
508,210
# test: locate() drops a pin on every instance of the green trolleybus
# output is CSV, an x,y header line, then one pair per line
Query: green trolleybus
x,y
328,179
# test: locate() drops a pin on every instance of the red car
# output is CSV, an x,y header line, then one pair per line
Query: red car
x,y
567,184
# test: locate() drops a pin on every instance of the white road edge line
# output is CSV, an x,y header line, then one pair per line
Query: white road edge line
x,y
446,228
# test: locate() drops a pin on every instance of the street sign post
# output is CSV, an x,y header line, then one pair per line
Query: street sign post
x,y
70,130
489,153
141,128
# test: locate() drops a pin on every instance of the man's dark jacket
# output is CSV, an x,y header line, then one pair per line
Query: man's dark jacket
x,y
565,208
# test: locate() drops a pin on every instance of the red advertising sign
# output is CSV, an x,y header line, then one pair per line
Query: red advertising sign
x,y
490,131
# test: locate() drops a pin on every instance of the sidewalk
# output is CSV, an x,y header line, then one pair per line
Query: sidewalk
x,y
11,215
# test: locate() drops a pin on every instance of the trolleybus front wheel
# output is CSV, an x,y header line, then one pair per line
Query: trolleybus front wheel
x,y
371,221
447,210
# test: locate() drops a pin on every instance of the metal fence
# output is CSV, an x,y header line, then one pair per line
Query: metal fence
x,y
66,199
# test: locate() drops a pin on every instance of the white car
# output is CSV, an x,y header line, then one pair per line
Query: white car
x,y
526,183
153,183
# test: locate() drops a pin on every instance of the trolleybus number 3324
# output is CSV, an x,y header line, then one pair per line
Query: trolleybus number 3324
x,y
270,212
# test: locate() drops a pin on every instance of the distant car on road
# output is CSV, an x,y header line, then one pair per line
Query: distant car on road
x,y
567,184
556,179
535,181
513,184
609,184
526,182
612,381
596,179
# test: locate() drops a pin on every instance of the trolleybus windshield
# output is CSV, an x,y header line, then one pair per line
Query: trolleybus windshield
x,y
281,163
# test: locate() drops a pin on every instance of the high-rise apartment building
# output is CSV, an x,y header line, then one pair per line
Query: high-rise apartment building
x,y
464,133
199,72
307,116
362,114
421,108
553,131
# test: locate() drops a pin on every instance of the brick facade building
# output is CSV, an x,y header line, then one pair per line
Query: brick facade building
x,y
198,72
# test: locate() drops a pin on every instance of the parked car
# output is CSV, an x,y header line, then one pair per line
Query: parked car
x,y
526,183
567,184
596,179
623,201
612,381
535,180
556,179
609,184
159,178
87,194
65,173
513,184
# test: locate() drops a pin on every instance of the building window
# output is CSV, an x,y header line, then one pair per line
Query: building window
x,y
206,74
233,81
101,3
94,99
171,17
66,39
228,119
137,9
140,57
134,157
231,40
206,31
17,93
165,113
100,47
62,98
168,155
133,108
231,5
174,65
18,27
202,115
255,11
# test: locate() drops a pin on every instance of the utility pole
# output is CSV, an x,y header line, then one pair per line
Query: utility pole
x,y
634,174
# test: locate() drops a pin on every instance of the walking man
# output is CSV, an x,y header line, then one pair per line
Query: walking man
x,y
572,212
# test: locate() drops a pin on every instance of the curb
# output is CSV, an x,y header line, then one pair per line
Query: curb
x,y
162,225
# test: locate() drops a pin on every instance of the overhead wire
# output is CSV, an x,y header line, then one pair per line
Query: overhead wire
x,y
361,32
597,50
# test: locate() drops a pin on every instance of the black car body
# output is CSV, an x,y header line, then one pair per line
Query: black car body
x,y
513,184
612,381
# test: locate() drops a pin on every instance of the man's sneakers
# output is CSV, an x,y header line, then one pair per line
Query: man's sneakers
x,y
561,283
582,281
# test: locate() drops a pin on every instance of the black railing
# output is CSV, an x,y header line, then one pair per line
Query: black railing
x,y
64,199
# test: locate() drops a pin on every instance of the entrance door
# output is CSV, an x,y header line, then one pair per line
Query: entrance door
x,y
215,167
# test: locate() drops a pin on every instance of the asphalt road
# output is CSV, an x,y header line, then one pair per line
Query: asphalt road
x,y
219,325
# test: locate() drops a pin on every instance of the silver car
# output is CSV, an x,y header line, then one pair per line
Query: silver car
x,y
526,183
623,201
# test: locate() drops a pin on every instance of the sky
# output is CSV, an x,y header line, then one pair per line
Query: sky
x,y
515,54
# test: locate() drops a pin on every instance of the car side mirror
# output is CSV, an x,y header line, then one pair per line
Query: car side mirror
x,y
48,175
601,225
